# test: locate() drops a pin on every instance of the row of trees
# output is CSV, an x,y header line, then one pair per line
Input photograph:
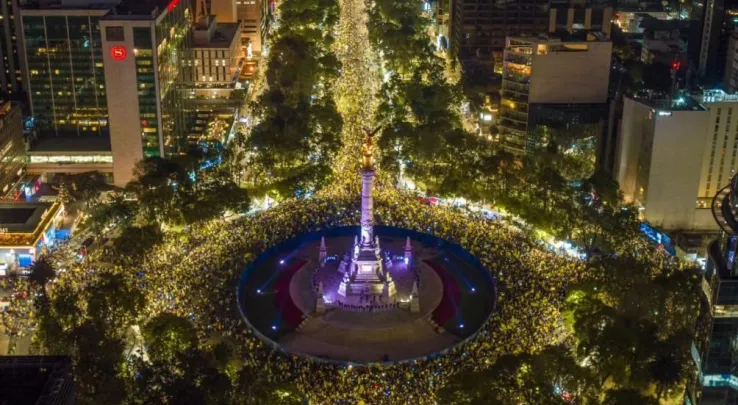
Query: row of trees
x,y
423,134
116,362
167,195
297,134
419,109
631,326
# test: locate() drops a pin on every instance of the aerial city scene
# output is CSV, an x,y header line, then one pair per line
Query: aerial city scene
x,y
368,202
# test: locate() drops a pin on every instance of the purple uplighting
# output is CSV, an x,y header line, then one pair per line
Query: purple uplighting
x,y
281,261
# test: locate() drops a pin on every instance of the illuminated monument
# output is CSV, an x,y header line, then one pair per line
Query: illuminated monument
x,y
363,271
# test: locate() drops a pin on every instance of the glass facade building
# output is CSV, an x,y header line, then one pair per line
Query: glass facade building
x,y
11,78
719,357
12,147
144,47
144,54
173,40
66,81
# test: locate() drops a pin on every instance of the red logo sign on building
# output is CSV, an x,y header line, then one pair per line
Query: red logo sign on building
x,y
118,52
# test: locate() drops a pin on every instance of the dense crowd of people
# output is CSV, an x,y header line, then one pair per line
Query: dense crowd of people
x,y
195,275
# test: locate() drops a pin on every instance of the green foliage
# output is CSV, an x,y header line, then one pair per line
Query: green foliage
x,y
167,195
298,129
42,271
419,109
117,211
168,336
130,245
113,302
524,379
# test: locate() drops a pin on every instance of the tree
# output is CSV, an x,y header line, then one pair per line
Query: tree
x,y
98,360
552,377
113,302
42,271
628,397
86,186
168,336
134,241
161,186
118,211
64,195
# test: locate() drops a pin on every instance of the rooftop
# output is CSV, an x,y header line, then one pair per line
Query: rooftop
x,y
22,217
208,33
37,380
140,9
682,102
102,5
71,144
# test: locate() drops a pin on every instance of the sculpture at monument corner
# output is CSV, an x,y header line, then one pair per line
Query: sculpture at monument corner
x,y
323,252
408,250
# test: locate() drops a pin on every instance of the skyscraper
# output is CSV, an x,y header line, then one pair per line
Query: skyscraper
x,y
64,78
144,44
11,76
478,28
541,76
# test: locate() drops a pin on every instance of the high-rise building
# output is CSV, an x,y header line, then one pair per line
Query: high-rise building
x,y
225,10
65,80
254,16
11,76
718,358
40,380
12,146
478,28
693,140
575,17
216,53
710,37
144,46
730,77
573,75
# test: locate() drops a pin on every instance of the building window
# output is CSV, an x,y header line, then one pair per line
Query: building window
x,y
116,34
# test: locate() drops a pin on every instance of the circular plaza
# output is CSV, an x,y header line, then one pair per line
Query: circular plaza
x,y
291,296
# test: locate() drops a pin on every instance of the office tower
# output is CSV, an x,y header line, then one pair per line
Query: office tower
x,y
65,80
478,28
716,361
694,140
144,45
225,10
576,17
12,146
215,54
541,76
711,34
254,16
11,76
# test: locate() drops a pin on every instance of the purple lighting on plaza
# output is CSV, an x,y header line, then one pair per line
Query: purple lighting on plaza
x,y
407,260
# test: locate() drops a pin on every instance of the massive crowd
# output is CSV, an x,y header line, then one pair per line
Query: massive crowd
x,y
195,275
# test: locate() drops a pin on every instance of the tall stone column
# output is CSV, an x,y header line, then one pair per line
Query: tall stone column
x,y
367,207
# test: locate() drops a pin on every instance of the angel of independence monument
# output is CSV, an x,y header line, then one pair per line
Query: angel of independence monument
x,y
364,273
